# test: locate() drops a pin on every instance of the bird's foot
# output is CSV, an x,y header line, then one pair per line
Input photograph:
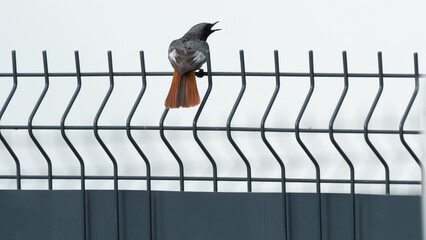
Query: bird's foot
x,y
200,73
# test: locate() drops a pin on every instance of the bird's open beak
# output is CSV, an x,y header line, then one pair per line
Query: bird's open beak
x,y
213,30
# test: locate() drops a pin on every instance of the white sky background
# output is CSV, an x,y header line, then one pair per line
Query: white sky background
x,y
293,27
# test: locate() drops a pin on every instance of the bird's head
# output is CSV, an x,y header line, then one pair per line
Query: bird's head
x,y
201,31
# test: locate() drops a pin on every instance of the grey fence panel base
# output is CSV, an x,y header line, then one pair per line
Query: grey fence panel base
x,y
52,215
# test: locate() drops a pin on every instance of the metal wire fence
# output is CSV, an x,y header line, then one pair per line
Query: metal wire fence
x,y
129,129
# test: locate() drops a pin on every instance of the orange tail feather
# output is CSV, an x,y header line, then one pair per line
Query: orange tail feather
x,y
183,91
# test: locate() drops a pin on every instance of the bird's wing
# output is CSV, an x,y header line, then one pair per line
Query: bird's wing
x,y
187,55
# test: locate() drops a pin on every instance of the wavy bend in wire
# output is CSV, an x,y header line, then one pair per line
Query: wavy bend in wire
x,y
337,146
172,150
407,111
103,145
130,117
31,118
231,115
64,116
299,140
71,146
2,111
195,121
98,114
135,144
271,149
367,121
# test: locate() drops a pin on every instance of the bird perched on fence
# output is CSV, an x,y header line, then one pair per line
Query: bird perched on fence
x,y
186,55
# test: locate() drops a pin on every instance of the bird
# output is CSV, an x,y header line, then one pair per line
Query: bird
x,y
186,55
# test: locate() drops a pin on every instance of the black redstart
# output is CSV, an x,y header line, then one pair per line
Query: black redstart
x,y
186,55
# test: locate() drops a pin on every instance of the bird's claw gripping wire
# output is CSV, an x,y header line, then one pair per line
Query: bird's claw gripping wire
x,y
200,73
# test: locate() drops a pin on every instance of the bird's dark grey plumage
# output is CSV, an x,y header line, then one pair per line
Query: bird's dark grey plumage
x,y
189,52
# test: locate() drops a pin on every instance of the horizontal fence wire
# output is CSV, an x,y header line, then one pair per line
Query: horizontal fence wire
x,y
213,73
195,129
201,178
204,128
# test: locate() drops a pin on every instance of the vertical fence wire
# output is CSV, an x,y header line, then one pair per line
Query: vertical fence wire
x,y
136,146
31,118
337,146
71,146
407,111
272,150
195,122
299,140
367,121
103,145
231,115
172,150
3,109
